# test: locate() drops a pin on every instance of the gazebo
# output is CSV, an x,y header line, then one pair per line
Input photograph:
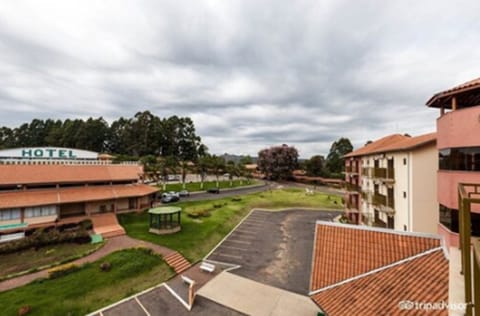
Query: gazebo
x,y
165,220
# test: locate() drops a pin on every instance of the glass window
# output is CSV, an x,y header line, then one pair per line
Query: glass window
x,y
40,211
9,214
467,159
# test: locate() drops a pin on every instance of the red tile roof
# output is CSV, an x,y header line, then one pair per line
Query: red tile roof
x,y
392,143
36,174
71,195
424,279
343,251
354,265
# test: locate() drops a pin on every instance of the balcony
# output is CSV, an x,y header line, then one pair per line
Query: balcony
x,y
367,172
384,174
367,196
379,199
352,188
351,169
469,194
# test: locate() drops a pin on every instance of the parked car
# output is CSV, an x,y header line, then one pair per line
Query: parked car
x,y
177,194
167,198
214,190
184,193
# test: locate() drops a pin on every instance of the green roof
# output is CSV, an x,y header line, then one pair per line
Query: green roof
x,y
165,210
13,226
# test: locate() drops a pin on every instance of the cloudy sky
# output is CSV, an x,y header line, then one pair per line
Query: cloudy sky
x,y
249,73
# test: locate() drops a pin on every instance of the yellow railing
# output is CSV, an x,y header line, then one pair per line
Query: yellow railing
x,y
469,194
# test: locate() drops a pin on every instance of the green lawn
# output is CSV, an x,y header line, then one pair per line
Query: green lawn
x,y
31,259
200,235
89,289
195,186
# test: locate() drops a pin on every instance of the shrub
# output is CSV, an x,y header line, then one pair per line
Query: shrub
x,y
86,224
106,266
217,205
62,270
236,199
24,310
40,238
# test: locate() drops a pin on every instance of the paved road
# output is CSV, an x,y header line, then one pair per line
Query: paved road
x,y
225,193
267,185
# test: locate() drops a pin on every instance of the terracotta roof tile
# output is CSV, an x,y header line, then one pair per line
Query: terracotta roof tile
x,y
35,174
423,280
391,143
72,195
345,251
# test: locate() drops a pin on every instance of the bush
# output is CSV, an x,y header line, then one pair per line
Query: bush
x,y
197,214
62,270
24,310
236,199
86,224
41,238
106,266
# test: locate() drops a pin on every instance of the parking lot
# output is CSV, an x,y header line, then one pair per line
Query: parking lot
x,y
274,248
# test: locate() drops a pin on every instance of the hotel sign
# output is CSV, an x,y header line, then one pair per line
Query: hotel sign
x,y
47,153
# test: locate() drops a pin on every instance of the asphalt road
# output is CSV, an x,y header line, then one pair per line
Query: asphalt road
x,y
224,193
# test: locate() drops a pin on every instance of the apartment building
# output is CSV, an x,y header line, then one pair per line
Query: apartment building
x,y
391,183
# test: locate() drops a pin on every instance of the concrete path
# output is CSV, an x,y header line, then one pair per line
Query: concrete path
x,y
254,298
112,245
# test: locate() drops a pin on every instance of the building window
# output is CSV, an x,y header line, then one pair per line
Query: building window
x,y
9,214
449,219
404,161
404,194
466,158
404,227
40,211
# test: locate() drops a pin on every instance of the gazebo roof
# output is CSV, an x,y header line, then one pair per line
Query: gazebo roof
x,y
165,210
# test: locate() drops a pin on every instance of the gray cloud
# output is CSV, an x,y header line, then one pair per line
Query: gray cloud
x,y
250,73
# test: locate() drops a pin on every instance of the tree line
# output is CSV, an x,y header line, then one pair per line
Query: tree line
x,y
143,134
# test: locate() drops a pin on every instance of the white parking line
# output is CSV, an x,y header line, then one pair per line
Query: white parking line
x,y
245,231
230,256
236,248
240,242
252,220
244,237
141,305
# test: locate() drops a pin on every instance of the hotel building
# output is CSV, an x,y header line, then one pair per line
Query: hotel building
x,y
458,144
391,183
42,187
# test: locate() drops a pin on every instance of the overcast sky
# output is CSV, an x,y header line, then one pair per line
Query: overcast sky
x,y
249,73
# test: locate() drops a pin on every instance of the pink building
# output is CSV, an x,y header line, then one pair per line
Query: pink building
x,y
458,144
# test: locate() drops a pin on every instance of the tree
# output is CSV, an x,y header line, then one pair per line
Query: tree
x,y
315,166
278,162
217,164
202,166
335,162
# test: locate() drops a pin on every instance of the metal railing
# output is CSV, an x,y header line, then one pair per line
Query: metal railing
x,y
469,194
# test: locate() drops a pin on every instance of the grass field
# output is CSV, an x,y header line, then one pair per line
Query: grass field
x,y
30,259
89,289
200,235
195,186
